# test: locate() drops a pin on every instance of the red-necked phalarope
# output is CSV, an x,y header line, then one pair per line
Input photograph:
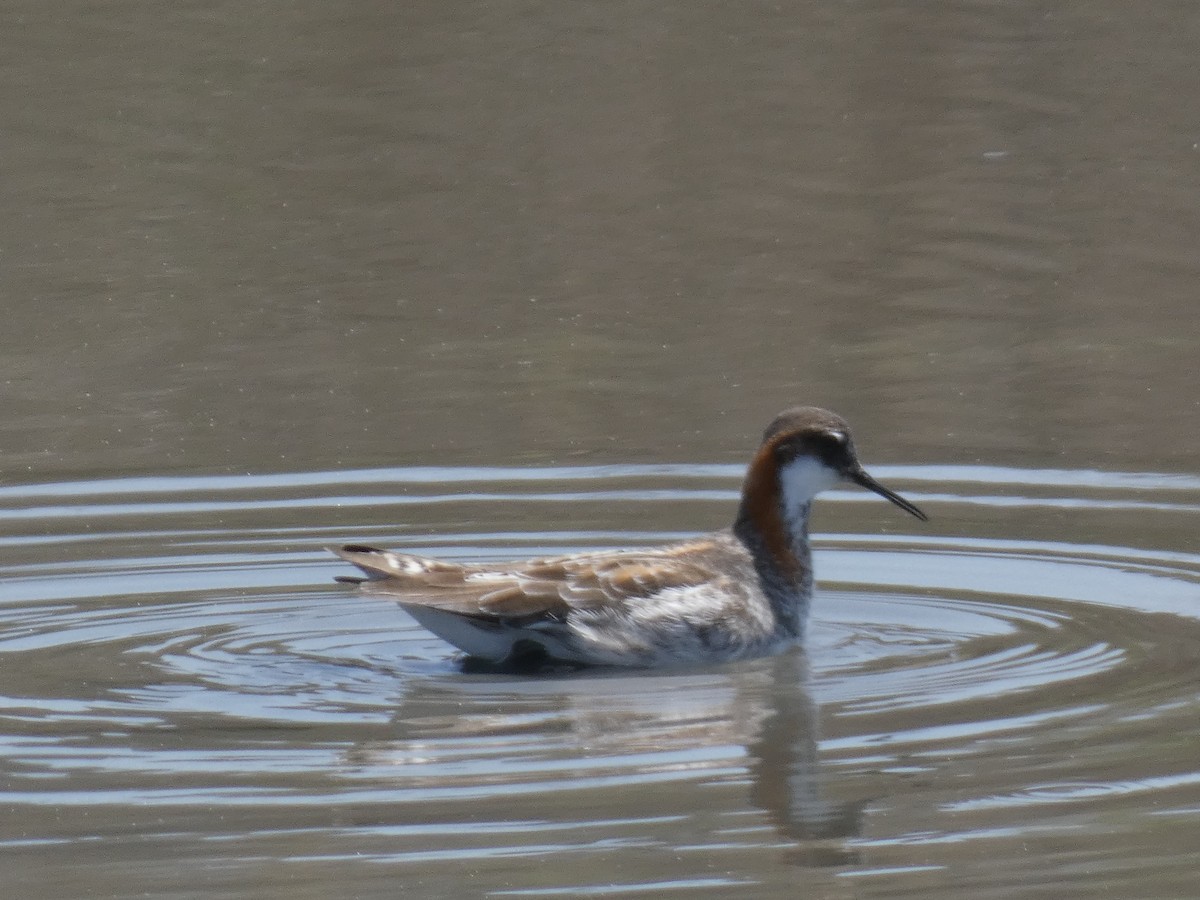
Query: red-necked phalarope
x,y
738,593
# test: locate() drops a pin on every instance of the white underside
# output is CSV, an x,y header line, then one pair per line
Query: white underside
x,y
661,640
494,643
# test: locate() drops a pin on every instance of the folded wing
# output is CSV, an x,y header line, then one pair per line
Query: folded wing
x,y
547,589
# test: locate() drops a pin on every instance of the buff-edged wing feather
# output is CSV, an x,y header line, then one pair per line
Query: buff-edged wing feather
x,y
540,589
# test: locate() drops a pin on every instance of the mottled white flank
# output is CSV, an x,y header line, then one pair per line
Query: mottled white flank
x,y
801,480
669,630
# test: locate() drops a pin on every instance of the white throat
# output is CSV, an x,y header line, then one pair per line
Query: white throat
x,y
799,481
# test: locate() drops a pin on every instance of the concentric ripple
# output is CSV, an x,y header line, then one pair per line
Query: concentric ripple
x,y
178,644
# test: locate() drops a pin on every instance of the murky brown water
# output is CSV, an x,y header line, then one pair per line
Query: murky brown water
x,y
501,279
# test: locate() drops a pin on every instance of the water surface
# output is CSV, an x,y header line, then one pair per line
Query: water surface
x,y
497,279
192,705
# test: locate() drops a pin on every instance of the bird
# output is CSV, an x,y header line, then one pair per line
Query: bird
x,y
737,593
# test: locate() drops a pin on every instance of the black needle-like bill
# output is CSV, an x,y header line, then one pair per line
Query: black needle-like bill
x,y
858,476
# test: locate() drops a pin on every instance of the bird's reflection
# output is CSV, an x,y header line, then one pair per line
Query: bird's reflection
x,y
754,720
786,777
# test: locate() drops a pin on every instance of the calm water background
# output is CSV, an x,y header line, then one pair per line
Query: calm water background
x,y
493,279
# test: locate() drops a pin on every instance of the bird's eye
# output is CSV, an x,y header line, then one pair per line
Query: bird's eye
x,y
831,445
